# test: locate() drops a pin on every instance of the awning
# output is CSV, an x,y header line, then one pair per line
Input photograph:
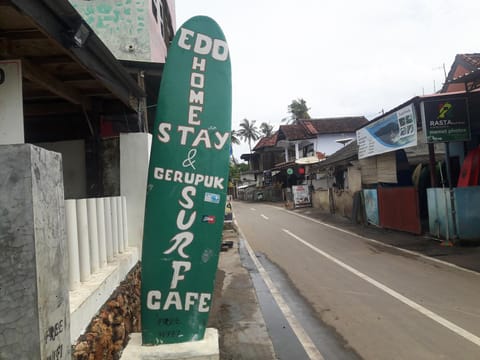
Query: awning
x,y
309,160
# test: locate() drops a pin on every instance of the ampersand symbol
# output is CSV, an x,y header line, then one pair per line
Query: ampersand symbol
x,y
189,162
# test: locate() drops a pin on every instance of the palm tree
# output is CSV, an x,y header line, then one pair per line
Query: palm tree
x,y
234,137
234,140
298,110
248,132
266,129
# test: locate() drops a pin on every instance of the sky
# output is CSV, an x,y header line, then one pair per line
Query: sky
x,y
344,57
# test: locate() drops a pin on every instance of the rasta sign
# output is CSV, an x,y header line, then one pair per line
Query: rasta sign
x,y
187,183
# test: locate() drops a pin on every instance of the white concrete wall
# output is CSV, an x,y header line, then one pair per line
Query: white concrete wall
x,y
320,183
11,103
320,200
354,179
134,158
327,143
87,300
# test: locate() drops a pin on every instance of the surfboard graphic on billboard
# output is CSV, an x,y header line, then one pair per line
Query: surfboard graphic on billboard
x,y
187,184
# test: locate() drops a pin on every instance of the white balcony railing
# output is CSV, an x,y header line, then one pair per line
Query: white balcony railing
x,y
96,234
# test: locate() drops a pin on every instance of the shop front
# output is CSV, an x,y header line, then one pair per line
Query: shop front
x,y
420,162
453,206
391,199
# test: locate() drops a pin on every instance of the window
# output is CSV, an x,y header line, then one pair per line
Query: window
x,y
308,150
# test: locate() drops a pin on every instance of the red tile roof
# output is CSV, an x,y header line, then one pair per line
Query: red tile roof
x,y
309,126
268,141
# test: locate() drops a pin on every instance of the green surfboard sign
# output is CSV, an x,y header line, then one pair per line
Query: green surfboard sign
x,y
187,184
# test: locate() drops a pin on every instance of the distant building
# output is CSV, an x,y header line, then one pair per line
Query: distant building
x,y
305,138
308,137
265,153
274,157
463,74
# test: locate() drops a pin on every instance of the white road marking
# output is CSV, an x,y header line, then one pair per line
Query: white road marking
x,y
265,217
253,209
430,314
305,340
425,257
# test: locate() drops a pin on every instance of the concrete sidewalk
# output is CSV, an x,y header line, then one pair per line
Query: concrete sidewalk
x,y
235,310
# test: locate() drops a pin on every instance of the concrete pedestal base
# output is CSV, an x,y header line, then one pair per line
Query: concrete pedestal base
x,y
206,349
34,307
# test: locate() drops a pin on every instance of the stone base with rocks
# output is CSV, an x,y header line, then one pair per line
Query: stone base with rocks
x,y
107,334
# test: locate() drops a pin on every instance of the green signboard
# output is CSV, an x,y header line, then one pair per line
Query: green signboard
x,y
446,120
187,184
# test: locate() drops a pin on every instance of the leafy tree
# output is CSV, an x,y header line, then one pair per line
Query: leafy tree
x,y
248,132
236,170
266,129
298,110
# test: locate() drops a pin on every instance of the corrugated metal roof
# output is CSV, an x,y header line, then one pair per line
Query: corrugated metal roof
x,y
334,125
309,129
294,132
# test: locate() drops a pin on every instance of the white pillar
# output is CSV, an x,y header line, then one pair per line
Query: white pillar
x,y
93,235
113,207
125,221
286,154
121,244
102,237
108,229
297,152
134,158
11,111
83,245
72,238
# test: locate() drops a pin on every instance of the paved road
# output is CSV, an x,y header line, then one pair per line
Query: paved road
x,y
383,303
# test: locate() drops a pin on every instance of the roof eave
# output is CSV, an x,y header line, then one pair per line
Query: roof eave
x,y
60,20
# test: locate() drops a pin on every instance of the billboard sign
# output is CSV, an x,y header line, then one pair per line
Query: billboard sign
x,y
187,185
446,120
301,196
392,132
